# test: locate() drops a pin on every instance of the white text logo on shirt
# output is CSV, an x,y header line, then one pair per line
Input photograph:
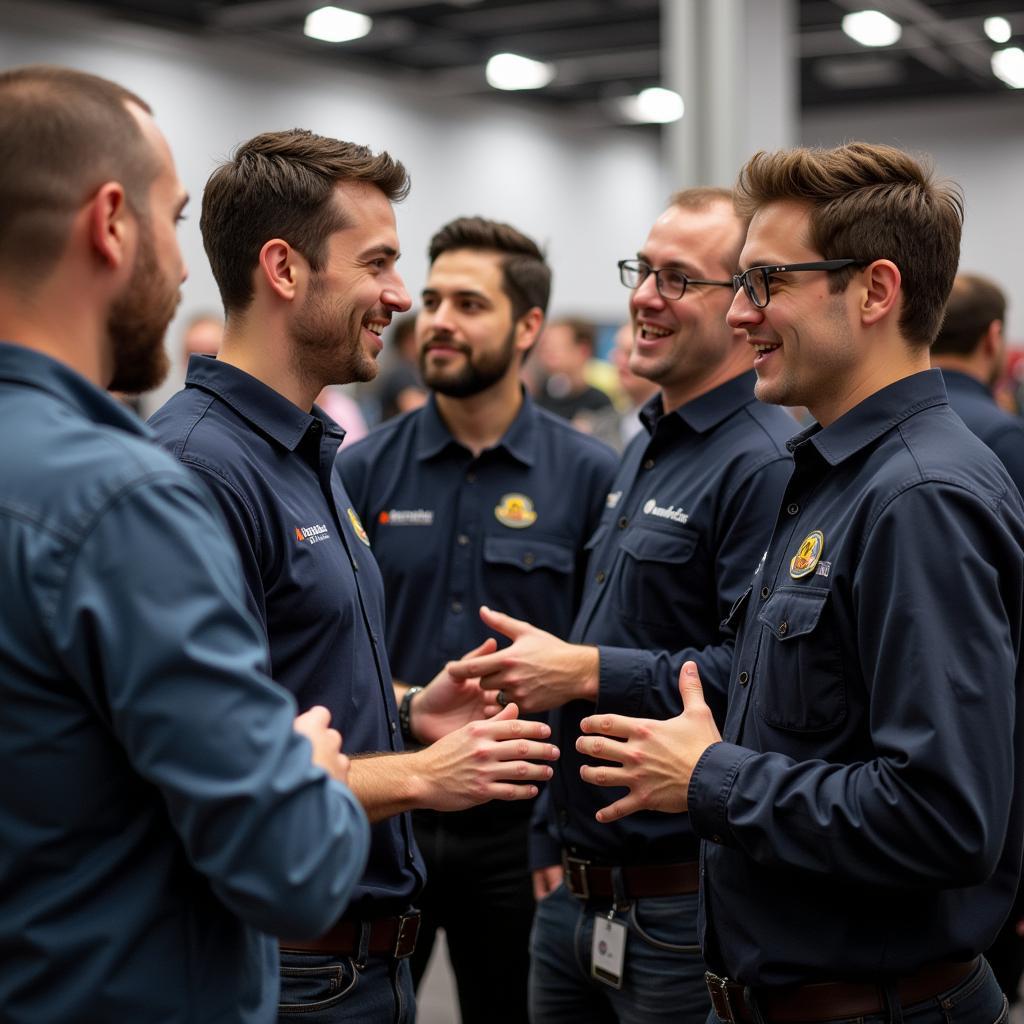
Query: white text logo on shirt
x,y
406,517
677,515
311,534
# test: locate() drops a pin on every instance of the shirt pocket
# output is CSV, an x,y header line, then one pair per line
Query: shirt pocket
x,y
654,581
800,685
529,555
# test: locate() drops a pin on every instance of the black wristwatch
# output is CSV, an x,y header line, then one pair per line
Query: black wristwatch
x,y
405,714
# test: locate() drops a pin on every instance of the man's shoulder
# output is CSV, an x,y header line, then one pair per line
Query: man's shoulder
x,y
392,434
558,431
774,426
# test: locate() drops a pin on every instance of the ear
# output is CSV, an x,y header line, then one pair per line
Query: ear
x,y
992,340
111,225
881,288
528,327
282,268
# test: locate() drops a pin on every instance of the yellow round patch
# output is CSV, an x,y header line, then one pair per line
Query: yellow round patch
x,y
804,562
516,511
357,526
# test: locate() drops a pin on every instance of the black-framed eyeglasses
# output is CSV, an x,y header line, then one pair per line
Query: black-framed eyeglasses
x,y
671,283
756,281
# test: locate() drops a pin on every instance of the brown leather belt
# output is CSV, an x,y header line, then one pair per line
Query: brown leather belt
x,y
389,936
594,881
831,1000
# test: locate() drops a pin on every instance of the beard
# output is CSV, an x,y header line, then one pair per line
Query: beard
x,y
138,321
476,373
328,347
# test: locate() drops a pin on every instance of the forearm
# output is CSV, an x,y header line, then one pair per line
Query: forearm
x,y
386,784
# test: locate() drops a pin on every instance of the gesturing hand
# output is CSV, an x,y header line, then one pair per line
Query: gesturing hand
x,y
448,702
537,671
657,757
315,725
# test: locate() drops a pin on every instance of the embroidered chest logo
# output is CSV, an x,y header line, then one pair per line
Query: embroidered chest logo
x,y
805,561
515,511
406,517
357,526
677,515
311,534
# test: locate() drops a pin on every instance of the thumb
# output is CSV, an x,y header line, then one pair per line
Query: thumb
x,y
489,646
316,717
689,687
509,711
503,624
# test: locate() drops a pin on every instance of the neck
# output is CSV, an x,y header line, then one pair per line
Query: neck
x,y
58,323
676,394
261,347
969,365
481,420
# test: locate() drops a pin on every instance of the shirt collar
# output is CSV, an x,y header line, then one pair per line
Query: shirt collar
x,y
266,409
705,412
26,366
875,416
957,380
434,435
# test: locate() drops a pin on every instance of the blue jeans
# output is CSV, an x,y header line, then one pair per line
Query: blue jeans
x,y
321,989
663,974
978,999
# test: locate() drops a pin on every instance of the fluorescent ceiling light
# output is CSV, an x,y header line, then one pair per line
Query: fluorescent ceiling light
x,y
1008,66
998,29
871,28
510,71
652,106
336,25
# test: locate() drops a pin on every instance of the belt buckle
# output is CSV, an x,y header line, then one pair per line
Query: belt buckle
x,y
718,989
408,930
580,865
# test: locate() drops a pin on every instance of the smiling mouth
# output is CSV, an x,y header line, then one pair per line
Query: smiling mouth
x,y
376,326
651,332
763,348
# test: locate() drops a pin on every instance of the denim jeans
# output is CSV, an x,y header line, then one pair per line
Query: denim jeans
x,y
321,989
978,999
663,974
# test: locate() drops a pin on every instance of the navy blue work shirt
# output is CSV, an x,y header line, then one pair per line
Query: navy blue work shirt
x,y
864,812
452,531
311,577
1002,432
687,519
158,813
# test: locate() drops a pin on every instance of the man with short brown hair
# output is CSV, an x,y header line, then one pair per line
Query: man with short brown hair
x,y
861,807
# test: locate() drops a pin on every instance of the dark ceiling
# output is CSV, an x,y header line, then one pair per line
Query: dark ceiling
x,y
606,48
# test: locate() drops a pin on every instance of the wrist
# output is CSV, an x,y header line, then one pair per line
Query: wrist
x,y
588,672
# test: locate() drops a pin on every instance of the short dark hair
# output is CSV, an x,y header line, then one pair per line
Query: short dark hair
x,y
282,185
870,202
65,133
584,332
525,276
974,303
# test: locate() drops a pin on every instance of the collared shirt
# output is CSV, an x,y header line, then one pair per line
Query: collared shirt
x,y
1003,433
687,519
452,531
153,794
311,577
864,811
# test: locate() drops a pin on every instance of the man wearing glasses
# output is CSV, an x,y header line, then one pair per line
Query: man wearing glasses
x,y
686,521
862,805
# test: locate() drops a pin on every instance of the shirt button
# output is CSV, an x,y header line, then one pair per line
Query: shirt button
x,y
600,577
529,558
648,463
744,678
783,628
456,606
792,508
463,539
394,728
765,591
623,523
716,839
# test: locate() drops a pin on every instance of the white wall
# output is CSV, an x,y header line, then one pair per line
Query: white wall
x,y
980,145
588,196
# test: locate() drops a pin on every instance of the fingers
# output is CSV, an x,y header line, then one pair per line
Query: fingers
x,y
546,881
506,725
316,718
602,747
503,624
612,725
690,687
487,647
475,667
601,775
532,750
620,809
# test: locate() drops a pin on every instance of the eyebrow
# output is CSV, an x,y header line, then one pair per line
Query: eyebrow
x,y
380,250
671,265
461,293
